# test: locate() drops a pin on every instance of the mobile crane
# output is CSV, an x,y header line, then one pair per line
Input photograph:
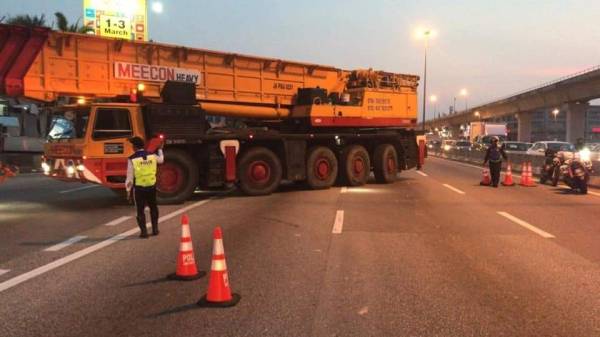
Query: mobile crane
x,y
225,118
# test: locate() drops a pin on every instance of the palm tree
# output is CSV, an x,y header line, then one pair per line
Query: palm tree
x,y
28,20
63,25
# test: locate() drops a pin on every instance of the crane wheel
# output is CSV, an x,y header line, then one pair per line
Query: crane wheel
x,y
177,177
385,164
356,165
321,168
259,171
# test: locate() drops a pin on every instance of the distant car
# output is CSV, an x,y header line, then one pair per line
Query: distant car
x,y
539,148
462,145
516,146
448,145
434,144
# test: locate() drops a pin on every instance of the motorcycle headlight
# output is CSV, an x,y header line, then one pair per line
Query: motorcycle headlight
x,y
585,155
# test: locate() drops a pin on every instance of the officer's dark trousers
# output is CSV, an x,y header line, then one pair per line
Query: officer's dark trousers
x,y
146,196
495,168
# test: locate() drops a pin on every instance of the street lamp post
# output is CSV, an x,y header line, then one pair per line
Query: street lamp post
x,y
425,34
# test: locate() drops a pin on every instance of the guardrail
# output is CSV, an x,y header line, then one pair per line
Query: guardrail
x,y
516,159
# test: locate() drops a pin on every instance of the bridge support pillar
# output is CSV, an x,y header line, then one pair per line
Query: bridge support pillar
x,y
575,120
524,126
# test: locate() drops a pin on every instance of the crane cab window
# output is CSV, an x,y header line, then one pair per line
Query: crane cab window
x,y
112,123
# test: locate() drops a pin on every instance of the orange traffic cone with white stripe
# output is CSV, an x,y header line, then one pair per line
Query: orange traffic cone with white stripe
x,y
526,176
186,263
486,180
508,179
219,292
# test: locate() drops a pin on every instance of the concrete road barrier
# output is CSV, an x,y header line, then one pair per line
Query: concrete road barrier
x,y
516,159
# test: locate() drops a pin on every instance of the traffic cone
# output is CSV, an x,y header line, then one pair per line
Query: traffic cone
x,y
527,177
508,179
486,180
219,293
186,264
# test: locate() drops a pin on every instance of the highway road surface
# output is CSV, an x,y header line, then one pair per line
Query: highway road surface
x,y
434,254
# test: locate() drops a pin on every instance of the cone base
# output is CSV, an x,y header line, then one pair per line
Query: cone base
x,y
505,184
176,277
204,303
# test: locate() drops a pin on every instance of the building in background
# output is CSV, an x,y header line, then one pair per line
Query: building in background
x,y
123,19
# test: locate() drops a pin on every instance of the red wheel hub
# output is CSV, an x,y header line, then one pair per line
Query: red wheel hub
x,y
169,178
391,164
322,170
358,165
259,172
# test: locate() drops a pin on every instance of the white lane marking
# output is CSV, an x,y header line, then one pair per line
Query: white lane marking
x,y
65,243
4,271
79,189
422,173
454,189
527,225
118,221
344,189
338,223
594,193
72,257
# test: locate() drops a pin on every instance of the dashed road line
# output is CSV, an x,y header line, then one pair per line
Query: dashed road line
x,y
527,225
79,189
103,244
4,271
454,189
422,173
65,243
338,224
118,221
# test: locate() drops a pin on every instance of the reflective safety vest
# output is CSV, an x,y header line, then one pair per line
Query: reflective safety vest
x,y
144,168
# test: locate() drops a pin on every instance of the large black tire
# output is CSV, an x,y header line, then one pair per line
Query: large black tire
x,y
177,177
555,176
385,164
259,171
321,168
356,165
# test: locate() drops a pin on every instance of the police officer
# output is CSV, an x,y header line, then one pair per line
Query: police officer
x,y
494,155
141,177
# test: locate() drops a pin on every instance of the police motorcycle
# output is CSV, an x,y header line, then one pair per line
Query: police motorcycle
x,y
575,172
551,167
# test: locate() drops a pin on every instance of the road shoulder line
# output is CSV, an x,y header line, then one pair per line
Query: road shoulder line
x,y
86,251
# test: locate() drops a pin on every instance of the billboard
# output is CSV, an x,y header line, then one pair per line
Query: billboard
x,y
123,19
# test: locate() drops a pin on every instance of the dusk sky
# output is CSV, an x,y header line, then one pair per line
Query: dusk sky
x,y
491,48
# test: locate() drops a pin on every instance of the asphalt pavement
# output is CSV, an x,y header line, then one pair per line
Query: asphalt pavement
x,y
433,254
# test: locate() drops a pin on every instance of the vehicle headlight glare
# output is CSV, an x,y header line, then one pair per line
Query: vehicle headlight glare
x,y
585,155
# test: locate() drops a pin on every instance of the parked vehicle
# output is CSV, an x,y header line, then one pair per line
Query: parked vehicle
x,y
575,173
483,142
551,168
539,148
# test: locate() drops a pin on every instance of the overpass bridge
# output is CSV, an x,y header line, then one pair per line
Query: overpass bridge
x,y
570,94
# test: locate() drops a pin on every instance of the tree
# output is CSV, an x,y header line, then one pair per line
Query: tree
x,y
28,20
62,24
